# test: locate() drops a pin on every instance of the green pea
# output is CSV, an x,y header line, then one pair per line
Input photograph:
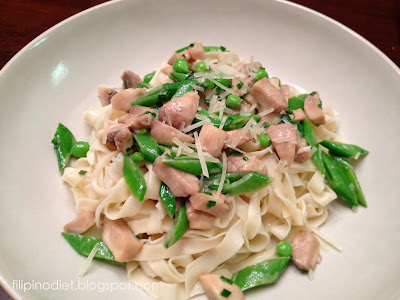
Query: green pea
x,y
201,67
284,249
148,77
261,73
224,81
137,157
79,149
181,66
208,84
233,101
264,140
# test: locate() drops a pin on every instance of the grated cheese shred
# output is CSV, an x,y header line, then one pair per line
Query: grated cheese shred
x,y
89,259
201,155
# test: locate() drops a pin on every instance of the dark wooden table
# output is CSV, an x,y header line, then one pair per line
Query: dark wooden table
x,y
22,20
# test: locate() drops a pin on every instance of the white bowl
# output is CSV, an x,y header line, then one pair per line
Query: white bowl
x,y
54,79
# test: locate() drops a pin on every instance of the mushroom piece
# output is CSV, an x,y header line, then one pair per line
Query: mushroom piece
x,y
122,101
198,219
268,96
210,204
237,137
214,286
164,134
130,79
139,117
81,223
212,139
118,136
120,239
181,110
180,183
105,94
283,137
305,250
313,110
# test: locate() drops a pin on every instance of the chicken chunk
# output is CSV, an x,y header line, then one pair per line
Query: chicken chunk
x,y
118,136
81,223
183,55
120,239
210,204
197,52
267,96
283,137
138,117
122,101
303,152
243,164
299,115
305,250
198,219
138,110
213,286
313,110
180,183
105,95
212,139
181,110
164,134
233,136
130,79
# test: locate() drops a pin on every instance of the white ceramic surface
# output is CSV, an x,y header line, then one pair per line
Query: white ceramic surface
x,y
54,80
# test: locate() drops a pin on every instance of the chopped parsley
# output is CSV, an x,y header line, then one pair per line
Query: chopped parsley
x,y
143,131
151,113
313,93
223,49
245,158
226,279
266,125
225,293
234,153
210,204
239,85
208,193
183,55
191,45
82,172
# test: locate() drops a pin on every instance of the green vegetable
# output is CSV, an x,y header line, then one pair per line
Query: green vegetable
x,y
180,77
181,66
143,85
284,249
233,101
351,177
208,84
80,149
83,172
232,122
297,102
147,146
206,48
63,141
239,85
160,94
338,181
211,204
261,73
264,139
266,272
137,157
134,178
179,228
245,158
308,134
185,88
227,280
225,293
148,77
167,199
201,66
84,245
192,165
224,81
345,150
316,158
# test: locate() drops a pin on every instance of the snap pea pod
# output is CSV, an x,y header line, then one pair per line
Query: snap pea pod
x,y
134,178
185,88
179,228
160,94
250,182
266,272
338,181
316,158
351,177
297,102
167,199
308,134
192,165
180,77
148,77
147,146
80,149
84,245
212,183
206,48
345,150
143,85
232,122
63,141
